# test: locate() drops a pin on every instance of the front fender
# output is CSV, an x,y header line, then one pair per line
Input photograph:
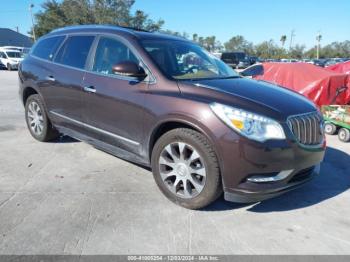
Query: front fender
x,y
193,121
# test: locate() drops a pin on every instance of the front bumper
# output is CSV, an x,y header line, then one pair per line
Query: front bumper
x,y
253,171
242,66
259,191
14,65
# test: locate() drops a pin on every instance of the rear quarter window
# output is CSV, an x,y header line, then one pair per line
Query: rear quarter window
x,y
75,51
46,48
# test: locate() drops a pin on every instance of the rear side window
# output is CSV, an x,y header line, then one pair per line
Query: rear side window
x,y
46,48
74,51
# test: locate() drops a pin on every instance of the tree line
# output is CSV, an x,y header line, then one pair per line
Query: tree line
x,y
57,14
271,49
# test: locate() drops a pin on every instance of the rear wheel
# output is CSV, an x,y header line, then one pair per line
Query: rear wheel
x,y
330,128
37,121
186,169
344,135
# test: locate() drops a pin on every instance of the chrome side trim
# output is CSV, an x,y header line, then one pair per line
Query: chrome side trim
x,y
89,89
95,128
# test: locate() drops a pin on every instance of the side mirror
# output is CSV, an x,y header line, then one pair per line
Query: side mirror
x,y
130,69
254,70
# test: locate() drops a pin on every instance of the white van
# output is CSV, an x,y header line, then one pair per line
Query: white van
x,y
24,50
10,58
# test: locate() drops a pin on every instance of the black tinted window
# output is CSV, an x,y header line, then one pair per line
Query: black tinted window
x,y
46,48
110,52
74,51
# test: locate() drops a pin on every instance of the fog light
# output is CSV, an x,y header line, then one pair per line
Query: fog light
x,y
265,179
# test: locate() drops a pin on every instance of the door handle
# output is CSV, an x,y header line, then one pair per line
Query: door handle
x,y
89,89
50,78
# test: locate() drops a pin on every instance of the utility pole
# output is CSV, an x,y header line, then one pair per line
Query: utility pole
x,y
318,39
31,15
292,34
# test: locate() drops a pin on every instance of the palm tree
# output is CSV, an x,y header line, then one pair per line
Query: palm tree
x,y
283,40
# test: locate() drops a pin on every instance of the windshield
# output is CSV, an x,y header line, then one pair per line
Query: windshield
x,y
14,54
182,60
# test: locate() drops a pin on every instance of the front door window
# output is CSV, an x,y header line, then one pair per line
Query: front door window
x,y
109,53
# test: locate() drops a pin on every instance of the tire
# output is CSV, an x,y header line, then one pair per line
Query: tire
x,y
344,135
330,128
9,68
200,176
38,123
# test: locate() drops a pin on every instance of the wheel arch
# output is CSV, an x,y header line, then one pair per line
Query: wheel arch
x,y
172,123
27,92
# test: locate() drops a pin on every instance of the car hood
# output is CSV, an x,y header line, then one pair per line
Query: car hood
x,y
17,60
256,96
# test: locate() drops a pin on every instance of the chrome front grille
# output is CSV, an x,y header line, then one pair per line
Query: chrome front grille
x,y
307,128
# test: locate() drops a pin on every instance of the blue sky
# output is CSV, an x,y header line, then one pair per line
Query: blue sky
x,y
256,20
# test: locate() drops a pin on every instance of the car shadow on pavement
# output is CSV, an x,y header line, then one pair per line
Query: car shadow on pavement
x,y
64,140
333,180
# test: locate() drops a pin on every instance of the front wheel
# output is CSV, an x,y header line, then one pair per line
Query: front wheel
x,y
186,169
37,121
344,135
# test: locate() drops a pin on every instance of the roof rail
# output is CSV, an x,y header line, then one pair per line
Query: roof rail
x,y
126,28
134,28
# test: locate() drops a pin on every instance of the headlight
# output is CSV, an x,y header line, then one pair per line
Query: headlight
x,y
248,124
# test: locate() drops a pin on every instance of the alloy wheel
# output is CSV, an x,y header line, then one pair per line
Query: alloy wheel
x,y
35,118
182,169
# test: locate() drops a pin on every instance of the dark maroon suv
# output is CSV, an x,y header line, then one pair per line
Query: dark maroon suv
x,y
165,102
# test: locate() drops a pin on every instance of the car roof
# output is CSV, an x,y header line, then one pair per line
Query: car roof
x,y
127,31
11,47
7,50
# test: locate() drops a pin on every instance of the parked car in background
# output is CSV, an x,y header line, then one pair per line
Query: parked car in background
x,y
233,58
342,68
24,50
10,58
217,54
164,102
288,60
244,63
333,61
319,62
273,60
253,60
